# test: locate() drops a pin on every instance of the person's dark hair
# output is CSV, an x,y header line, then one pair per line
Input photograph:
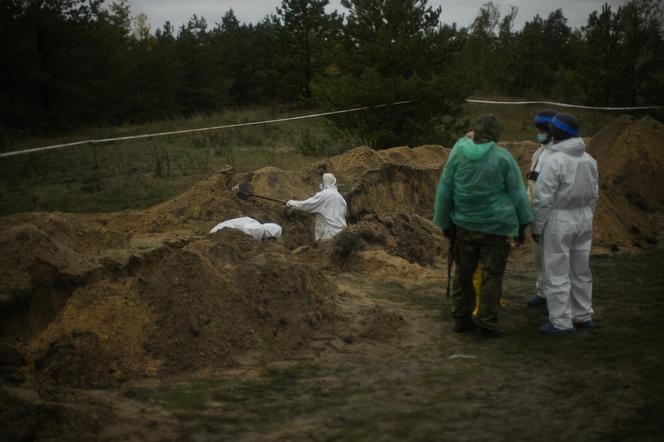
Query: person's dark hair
x,y
487,128
564,126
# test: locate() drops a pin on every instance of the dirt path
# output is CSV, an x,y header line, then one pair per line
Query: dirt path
x,y
427,383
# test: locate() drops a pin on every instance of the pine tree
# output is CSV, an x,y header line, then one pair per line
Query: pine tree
x,y
387,57
306,30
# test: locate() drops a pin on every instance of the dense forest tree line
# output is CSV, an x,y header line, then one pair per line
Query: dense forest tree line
x,y
72,63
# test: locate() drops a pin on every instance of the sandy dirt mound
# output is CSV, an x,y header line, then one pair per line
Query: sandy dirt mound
x,y
204,305
227,295
212,201
68,243
398,179
406,236
383,182
43,256
98,340
630,154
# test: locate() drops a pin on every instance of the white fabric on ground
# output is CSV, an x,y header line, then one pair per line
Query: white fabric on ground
x,y
251,227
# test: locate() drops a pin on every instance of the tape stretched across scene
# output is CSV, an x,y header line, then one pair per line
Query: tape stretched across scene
x,y
201,129
301,117
553,103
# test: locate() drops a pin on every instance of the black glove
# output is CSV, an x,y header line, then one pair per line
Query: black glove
x,y
536,238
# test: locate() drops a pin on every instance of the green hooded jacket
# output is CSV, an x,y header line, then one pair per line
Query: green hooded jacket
x,y
481,189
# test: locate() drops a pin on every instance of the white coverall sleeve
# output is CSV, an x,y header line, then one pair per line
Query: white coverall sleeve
x,y
595,184
547,186
534,160
311,205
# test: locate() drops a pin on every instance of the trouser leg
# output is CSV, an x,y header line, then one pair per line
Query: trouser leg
x,y
581,278
556,281
539,285
493,260
477,286
466,256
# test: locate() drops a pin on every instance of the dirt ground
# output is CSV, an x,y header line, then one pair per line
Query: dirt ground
x,y
140,326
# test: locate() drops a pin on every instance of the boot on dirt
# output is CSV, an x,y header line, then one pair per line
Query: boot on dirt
x,y
464,326
536,300
551,330
585,325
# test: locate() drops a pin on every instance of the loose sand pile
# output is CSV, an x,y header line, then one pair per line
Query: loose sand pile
x,y
95,300
204,305
630,154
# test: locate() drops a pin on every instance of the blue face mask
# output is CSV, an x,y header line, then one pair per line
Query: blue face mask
x,y
320,186
542,138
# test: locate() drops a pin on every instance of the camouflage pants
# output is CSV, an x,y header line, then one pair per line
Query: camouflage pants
x,y
490,252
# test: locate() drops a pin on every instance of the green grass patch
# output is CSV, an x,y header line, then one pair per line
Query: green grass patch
x,y
137,174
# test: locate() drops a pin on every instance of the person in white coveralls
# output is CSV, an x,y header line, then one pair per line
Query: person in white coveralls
x,y
542,120
328,206
565,198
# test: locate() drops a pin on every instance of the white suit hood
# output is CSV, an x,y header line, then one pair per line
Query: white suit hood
x,y
272,230
572,146
329,181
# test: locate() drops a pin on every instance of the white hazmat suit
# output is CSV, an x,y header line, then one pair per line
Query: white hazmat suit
x,y
538,158
566,196
251,227
329,207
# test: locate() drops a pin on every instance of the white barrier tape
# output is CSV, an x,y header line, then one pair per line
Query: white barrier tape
x,y
202,129
553,103
302,117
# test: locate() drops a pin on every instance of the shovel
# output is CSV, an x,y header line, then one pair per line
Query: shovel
x,y
243,191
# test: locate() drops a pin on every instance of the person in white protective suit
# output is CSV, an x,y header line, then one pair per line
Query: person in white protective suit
x,y
251,227
542,120
565,198
328,206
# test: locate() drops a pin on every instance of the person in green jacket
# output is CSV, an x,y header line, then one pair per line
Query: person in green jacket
x,y
481,199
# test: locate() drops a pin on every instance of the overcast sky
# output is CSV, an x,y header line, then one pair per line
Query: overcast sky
x,y
460,11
